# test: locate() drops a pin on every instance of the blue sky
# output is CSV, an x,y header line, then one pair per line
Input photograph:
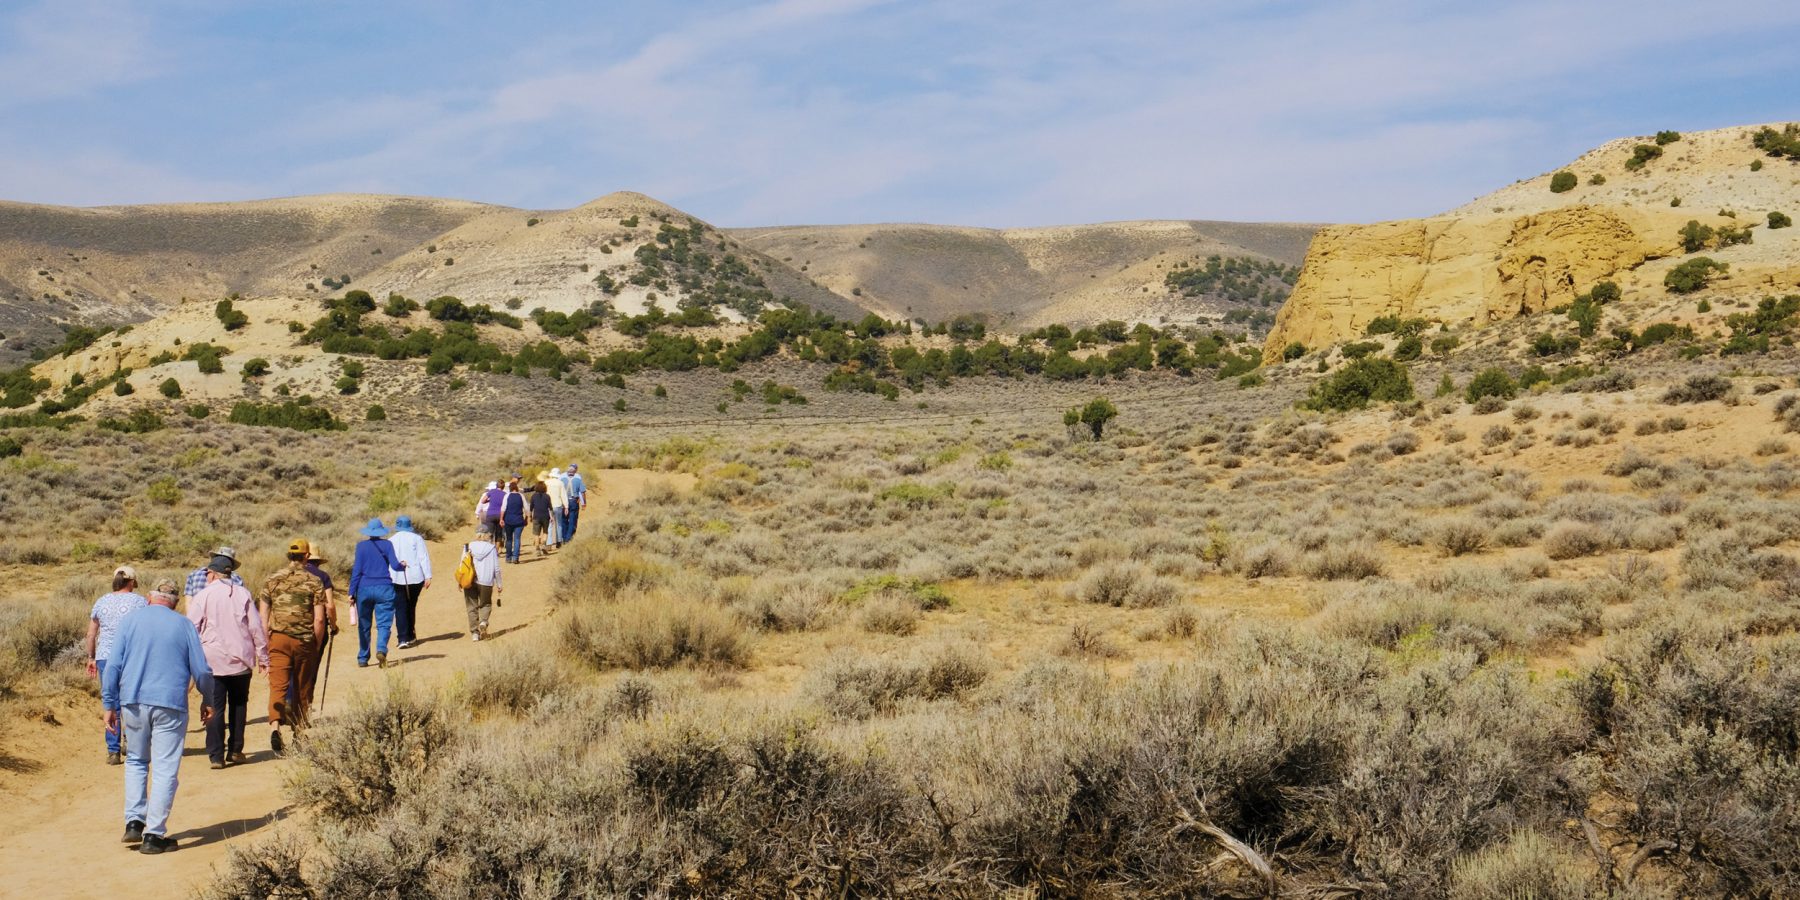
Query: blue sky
x,y
821,111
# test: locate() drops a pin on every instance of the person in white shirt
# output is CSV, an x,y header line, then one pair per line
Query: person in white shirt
x,y
559,502
480,597
410,581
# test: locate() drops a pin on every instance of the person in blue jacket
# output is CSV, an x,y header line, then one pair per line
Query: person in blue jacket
x,y
372,590
144,689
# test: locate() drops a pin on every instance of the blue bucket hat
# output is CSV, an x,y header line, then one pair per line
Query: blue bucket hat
x,y
404,523
374,528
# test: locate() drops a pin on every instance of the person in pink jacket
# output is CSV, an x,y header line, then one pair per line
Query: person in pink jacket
x,y
235,641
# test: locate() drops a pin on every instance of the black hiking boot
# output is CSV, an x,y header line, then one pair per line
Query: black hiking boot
x,y
156,843
134,832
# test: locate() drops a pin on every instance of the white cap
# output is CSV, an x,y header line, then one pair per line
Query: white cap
x,y
126,572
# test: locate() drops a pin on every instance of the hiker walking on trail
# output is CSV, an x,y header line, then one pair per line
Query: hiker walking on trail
x,y
155,655
410,579
314,559
495,497
478,594
540,517
197,579
103,630
292,603
373,591
559,504
235,640
577,498
512,518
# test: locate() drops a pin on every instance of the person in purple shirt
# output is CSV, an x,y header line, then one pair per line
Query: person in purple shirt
x,y
155,656
372,590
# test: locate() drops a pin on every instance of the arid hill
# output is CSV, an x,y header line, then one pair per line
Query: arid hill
x,y
1616,215
61,266
1026,277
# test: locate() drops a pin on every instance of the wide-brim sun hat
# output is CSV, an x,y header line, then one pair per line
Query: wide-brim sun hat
x,y
374,529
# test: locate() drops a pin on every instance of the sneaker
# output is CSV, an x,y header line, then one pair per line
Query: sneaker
x,y
403,645
275,743
156,843
112,758
134,832
236,759
475,635
381,660
218,764
362,663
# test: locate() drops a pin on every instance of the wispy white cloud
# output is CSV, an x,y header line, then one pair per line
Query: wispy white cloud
x,y
1016,111
57,49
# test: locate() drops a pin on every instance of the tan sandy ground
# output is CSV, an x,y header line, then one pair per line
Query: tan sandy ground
x,y
63,816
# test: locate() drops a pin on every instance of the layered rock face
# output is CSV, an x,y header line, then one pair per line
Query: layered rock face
x,y
1526,248
1460,270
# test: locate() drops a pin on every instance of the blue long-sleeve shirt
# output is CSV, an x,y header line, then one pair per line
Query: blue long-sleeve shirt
x,y
373,558
155,656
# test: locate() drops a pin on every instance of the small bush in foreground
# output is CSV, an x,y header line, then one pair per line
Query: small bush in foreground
x,y
657,634
361,761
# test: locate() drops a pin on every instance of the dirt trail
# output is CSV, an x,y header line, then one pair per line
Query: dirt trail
x,y
62,820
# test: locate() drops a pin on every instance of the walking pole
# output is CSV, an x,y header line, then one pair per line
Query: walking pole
x,y
325,680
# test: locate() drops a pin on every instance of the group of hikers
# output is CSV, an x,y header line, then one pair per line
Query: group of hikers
x,y
146,654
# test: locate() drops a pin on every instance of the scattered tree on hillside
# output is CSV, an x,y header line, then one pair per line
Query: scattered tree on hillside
x,y
1641,155
1779,220
1563,182
1094,415
1693,275
1356,385
1695,237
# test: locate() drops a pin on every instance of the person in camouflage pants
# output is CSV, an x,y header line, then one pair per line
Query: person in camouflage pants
x,y
293,604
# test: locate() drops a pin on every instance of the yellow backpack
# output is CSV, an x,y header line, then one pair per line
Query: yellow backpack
x,y
465,570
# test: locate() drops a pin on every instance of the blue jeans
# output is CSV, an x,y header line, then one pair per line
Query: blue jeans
x,y
154,739
515,534
112,737
375,604
574,518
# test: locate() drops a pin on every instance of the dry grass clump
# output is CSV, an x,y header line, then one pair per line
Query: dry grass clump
x,y
513,680
363,760
36,635
1344,562
857,687
889,615
1568,540
656,632
594,571
1461,536
1125,585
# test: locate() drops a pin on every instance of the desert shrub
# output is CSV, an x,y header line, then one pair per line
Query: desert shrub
x,y
375,413
267,869
290,414
657,634
1563,182
1779,220
1458,537
1266,559
598,572
1692,275
889,615
360,762
255,368
1361,382
170,388
1402,443
857,687
1126,584
513,680
1493,382
1344,562
1641,155
1698,389
1568,540
1527,864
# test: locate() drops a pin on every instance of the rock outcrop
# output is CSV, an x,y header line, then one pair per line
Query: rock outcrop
x,y
1525,248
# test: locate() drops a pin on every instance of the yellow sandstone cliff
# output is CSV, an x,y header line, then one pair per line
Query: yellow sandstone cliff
x,y
1525,249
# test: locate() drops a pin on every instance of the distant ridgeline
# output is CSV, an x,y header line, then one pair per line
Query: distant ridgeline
x,y
1257,286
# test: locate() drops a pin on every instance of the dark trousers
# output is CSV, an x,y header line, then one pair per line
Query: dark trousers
x,y
514,535
406,611
229,699
574,517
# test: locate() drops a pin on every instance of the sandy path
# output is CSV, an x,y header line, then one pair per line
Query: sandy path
x,y
62,821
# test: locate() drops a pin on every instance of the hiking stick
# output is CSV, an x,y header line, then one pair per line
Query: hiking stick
x,y
325,680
